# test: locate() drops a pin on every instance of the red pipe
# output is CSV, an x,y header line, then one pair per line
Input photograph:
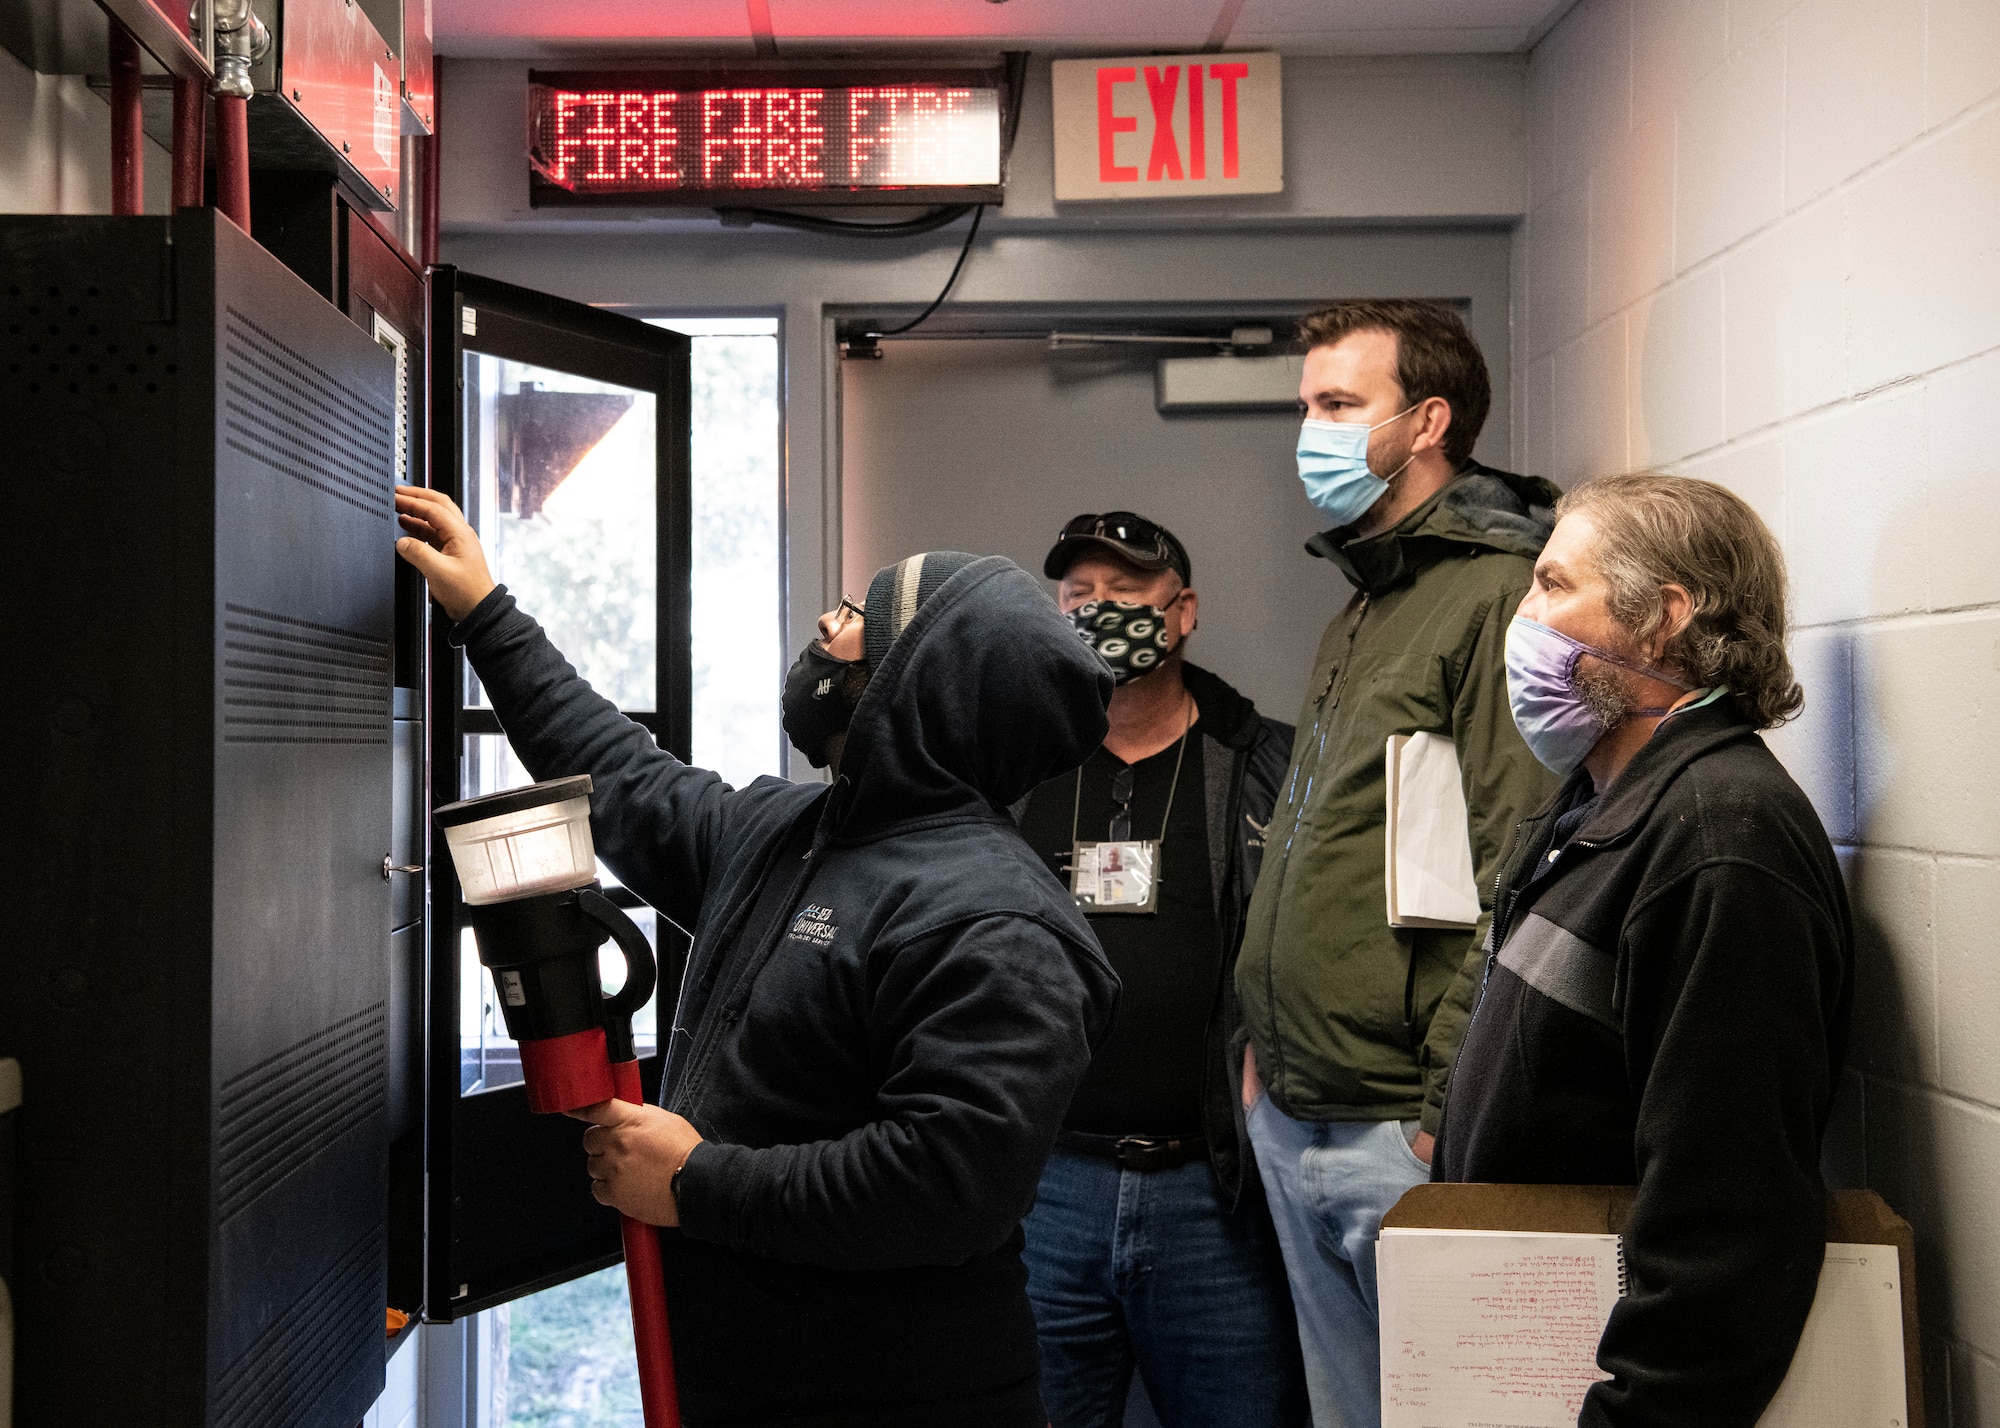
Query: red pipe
x,y
427,222
128,137
646,1286
190,140
232,159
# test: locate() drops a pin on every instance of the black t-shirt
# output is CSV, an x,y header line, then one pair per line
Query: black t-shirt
x,y
1146,1078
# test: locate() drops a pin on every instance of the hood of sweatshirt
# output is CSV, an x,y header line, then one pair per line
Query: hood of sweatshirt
x,y
986,693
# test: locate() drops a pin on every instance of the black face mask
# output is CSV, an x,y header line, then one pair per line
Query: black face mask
x,y
1134,639
815,703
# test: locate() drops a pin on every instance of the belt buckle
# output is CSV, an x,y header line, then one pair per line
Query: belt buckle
x,y
1141,1152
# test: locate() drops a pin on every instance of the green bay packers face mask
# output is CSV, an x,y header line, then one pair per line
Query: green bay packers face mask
x,y
1133,639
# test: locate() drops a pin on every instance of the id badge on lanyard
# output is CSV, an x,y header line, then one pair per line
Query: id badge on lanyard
x,y
1116,877
1122,874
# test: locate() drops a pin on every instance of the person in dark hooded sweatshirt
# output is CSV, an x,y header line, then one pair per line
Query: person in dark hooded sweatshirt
x,y
887,1005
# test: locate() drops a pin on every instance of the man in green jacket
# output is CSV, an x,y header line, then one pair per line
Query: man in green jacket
x,y
1353,1024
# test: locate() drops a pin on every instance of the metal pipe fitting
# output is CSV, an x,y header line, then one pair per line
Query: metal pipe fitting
x,y
241,39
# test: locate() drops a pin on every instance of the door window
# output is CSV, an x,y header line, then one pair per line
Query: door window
x,y
560,483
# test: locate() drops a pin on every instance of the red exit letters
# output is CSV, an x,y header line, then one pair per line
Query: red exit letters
x,y
1162,86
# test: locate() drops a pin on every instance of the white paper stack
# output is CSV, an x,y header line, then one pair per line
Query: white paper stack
x,y
1428,863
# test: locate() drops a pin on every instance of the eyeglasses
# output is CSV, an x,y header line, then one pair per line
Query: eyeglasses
x,y
1121,798
843,613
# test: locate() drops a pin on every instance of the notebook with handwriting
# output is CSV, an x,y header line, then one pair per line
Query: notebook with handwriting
x,y
1499,1329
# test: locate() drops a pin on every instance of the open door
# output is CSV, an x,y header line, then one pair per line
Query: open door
x,y
563,432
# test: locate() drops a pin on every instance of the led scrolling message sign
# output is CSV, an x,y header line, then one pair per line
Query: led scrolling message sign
x,y
731,140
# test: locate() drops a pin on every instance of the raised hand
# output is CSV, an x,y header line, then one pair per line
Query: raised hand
x,y
443,547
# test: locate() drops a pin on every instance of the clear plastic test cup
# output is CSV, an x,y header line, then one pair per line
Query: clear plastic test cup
x,y
522,842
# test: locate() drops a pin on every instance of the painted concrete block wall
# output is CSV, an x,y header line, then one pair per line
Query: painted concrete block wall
x,y
1761,248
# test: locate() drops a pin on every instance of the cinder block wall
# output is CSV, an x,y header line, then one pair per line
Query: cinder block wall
x,y
1763,247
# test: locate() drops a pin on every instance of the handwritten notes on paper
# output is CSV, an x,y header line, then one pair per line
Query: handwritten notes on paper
x,y
1492,1329
1497,1330
1848,1371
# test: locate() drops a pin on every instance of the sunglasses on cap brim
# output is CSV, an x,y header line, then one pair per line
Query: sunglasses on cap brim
x,y
1121,526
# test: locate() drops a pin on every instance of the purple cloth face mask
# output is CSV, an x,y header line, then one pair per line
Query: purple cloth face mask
x,y
1558,726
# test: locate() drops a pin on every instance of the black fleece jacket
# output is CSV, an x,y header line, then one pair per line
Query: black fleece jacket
x,y
886,1008
1668,1009
1244,757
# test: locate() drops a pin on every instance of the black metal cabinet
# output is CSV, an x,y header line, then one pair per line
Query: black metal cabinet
x,y
510,1209
196,742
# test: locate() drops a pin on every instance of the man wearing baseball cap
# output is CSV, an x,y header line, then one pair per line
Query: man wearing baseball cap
x,y
1149,1246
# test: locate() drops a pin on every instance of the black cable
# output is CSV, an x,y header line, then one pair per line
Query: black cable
x,y
1017,87
812,223
944,292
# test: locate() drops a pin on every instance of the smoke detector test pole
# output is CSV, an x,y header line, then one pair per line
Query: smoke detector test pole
x,y
528,869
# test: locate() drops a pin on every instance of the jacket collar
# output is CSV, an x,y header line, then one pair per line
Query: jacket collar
x,y
1480,506
1679,741
1226,716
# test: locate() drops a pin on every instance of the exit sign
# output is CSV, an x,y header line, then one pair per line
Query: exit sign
x,y
1169,126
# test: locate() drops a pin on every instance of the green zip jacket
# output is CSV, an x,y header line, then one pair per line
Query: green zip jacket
x,y
1353,1019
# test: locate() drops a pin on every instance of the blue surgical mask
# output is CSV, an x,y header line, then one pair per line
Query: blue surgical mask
x,y
1558,725
1333,463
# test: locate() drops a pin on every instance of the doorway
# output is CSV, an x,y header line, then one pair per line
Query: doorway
x,y
987,441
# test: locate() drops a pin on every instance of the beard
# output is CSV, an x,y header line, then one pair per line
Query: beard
x,y
1604,694
1395,459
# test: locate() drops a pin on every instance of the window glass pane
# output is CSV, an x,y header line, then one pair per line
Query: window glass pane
x,y
561,483
739,657
487,1057
568,1357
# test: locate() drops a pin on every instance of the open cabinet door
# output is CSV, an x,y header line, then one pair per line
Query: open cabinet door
x,y
563,432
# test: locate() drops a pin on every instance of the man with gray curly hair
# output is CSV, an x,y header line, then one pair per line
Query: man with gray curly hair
x,y
1671,963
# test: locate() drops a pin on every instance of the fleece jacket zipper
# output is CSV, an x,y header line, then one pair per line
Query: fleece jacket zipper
x,y
1329,701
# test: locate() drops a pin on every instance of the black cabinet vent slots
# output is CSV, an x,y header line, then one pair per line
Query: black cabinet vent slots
x,y
284,1372
282,409
291,681
274,1117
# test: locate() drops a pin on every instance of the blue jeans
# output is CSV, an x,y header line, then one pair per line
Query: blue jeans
x,y
1148,1269
1329,1183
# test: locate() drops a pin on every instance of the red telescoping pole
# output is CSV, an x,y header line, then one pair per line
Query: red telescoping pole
x,y
567,1070
567,1073
646,1285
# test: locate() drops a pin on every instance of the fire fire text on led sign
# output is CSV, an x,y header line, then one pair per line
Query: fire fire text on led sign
x,y
641,141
